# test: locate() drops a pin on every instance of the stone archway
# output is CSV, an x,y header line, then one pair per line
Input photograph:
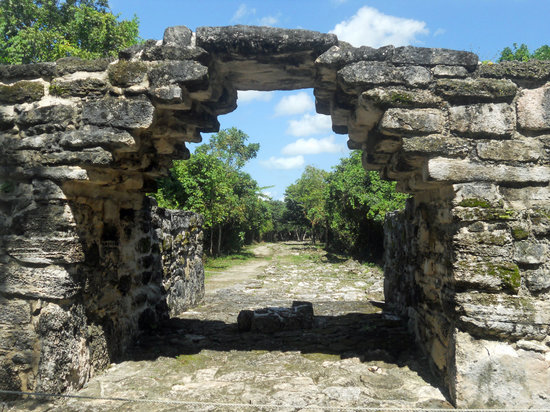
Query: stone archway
x,y
467,263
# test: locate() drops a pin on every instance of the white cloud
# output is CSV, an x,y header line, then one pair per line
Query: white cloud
x,y
309,125
312,146
294,104
283,162
439,32
268,21
242,12
245,96
369,27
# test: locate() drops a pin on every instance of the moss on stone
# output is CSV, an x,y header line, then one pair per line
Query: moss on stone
x,y
519,233
57,90
21,92
397,97
127,73
475,202
507,272
7,187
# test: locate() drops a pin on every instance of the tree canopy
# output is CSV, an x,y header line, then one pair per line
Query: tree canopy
x,y
522,53
45,30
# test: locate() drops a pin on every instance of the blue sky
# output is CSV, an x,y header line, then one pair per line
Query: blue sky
x,y
290,134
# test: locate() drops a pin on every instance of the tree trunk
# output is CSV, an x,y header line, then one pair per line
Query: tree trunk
x,y
219,239
211,240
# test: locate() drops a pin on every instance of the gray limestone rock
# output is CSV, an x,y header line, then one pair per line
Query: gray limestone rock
x,y
436,144
123,113
250,41
538,280
533,109
525,150
344,53
21,92
74,64
483,119
449,71
401,97
431,57
92,136
271,320
126,73
27,71
188,73
532,70
363,75
65,87
413,121
476,89
177,36
48,282
529,252
58,114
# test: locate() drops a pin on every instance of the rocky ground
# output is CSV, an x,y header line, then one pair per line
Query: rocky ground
x,y
352,357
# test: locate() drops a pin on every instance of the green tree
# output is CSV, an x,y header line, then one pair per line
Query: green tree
x,y
356,205
211,183
45,30
230,146
308,195
522,53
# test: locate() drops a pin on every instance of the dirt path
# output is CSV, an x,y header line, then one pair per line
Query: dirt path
x,y
352,357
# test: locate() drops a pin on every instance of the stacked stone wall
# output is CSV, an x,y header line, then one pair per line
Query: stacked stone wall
x,y
82,142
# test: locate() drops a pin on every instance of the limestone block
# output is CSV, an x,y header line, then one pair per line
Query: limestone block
x,y
7,118
457,170
189,73
126,73
415,121
123,113
78,85
69,65
477,194
436,145
476,89
21,92
91,136
483,119
65,357
538,280
486,275
88,156
400,97
27,71
271,320
45,250
179,36
433,56
46,190
531,70
525,150
52,112
47,282
254,40
18,338
504,316
530,252
526,197
344,53
533,108
449,71
168,52
493,373
363,75
171,97
14,312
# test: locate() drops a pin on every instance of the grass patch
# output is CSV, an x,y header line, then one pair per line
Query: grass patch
x,y
321,357
219,263
196,361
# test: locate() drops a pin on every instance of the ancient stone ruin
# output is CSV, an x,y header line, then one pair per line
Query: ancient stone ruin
x,y
84,266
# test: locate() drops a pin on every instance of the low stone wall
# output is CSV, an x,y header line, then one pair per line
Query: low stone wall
x,y
65,313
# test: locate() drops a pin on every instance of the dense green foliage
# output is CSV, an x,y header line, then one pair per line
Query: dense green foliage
x,y
45,30
522,53
345,207
213,184
356,205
